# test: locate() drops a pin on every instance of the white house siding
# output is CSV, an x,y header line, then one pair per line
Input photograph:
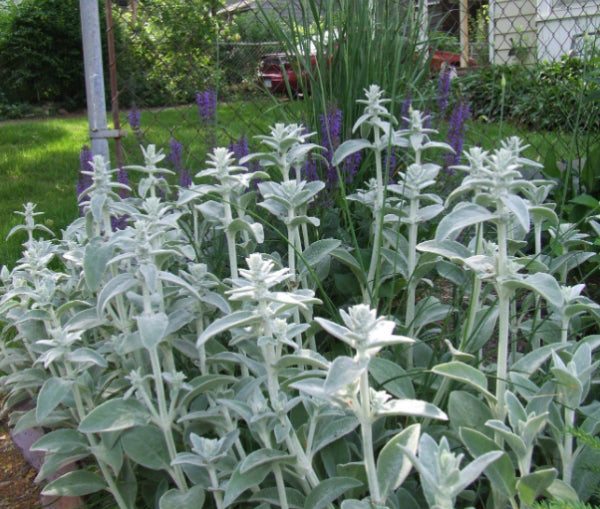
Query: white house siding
x,y
562,22
515,24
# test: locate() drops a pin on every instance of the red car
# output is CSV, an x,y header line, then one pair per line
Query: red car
x,y
276,72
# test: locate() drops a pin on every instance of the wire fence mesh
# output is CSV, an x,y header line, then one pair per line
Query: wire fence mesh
x,y
176,60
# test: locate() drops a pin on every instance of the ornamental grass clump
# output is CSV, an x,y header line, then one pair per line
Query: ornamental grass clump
x,y
205,355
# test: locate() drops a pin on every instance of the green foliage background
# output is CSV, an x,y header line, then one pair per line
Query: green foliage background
x,y
169,51
546,96
40,52
164,56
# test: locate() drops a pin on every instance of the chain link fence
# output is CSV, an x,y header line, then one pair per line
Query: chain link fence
x,y
170,55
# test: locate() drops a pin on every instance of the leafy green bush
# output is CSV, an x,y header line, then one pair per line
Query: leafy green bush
x,y
547,96
164,57
40,53
168,51
253,27
10,110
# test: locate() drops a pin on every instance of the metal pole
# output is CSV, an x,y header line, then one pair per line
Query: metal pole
x,y
112,71
492,31
94,77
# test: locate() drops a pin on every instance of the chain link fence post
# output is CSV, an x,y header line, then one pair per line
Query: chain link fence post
x,y
94,77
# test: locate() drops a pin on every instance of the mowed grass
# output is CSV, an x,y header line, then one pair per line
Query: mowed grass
x,y
39,161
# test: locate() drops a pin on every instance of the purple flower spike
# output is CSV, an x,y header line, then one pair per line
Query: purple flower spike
x,y
309,170
185,177
444,90
456,132
240,148
207,105
351,165
176,154
405,112
118,223
176,158
427,124
331,129
134,120
331,133
122,178
389,160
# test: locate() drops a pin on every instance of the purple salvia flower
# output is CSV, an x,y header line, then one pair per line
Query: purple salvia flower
x,y
122,178
185,178
351,165
427,123
175,154
443,90
207,105
309,170
405,112
456,133
331,132
331,129
118,223
207,112
134,120
176,158
389,160
239,148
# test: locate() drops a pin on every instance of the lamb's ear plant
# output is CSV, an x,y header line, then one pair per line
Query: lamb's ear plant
x,y
406,209
347,385
573,377
441,477
499,189
396,207
289,199
101,201
30,225
228,213
376,125
175,387
154,183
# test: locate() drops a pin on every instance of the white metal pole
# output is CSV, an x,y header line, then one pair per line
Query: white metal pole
x,y
464,33
94,77
492,31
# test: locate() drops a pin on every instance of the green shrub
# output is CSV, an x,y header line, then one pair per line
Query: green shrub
x,y
169,52
10,110
40,53
252,27
546,96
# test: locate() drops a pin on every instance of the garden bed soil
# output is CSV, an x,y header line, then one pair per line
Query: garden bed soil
x,y
18,470
17,487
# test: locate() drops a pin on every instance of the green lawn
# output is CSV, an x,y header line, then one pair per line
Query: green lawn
x,y
39,161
